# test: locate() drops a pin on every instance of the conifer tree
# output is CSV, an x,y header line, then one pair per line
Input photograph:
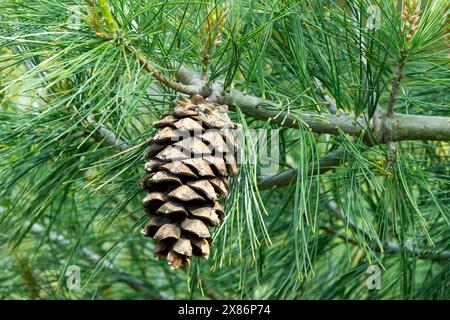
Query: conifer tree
x,y
338,112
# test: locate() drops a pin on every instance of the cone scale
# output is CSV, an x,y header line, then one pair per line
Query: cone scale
x,y
188,162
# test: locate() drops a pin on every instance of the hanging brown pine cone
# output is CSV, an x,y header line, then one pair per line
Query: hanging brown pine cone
x,y
189,161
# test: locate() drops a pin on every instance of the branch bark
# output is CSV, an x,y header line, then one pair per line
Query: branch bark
x,y
426,128
286,177
101,133
402,126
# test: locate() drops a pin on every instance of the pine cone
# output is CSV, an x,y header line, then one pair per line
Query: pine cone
x,y
189,161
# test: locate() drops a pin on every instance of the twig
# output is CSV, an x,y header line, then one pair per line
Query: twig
x,y
390,108
103,134
389,247
332,107
176,86
391,154
285,178
205,62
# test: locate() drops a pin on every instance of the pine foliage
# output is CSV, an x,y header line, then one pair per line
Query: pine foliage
x,y
80,89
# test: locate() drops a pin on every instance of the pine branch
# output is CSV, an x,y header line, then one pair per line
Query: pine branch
x,y
190,89
94,258
285,178
390,108
396,127
422,128
103,134
395,83
327,162
388,247
332,106
393,248
401,126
